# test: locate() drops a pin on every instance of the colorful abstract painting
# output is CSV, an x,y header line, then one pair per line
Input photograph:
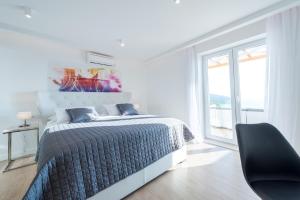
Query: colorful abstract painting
x,y
86,80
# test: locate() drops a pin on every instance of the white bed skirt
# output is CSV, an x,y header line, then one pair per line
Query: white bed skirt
x,y
131,183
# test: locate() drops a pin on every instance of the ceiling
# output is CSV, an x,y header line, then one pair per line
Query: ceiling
x,y
148,27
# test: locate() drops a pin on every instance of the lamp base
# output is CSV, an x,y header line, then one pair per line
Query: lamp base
x,y
25,124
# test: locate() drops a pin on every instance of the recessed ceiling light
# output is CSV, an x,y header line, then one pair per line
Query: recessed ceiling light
x,y
28,12
121,43
177,1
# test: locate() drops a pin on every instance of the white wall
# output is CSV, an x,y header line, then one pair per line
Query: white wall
x,y
24,65
133,77
167,75
166,86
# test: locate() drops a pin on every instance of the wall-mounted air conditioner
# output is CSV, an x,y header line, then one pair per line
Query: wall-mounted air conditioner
x,y
100,59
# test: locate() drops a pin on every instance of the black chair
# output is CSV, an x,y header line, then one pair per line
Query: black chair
x,y
270,165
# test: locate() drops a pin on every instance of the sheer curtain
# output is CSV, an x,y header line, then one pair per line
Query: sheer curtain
x,y
194,94
283,99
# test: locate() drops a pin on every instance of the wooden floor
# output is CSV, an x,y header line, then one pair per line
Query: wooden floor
x,y
209,173
14,183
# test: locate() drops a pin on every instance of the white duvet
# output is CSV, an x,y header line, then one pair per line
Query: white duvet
x,y
53,126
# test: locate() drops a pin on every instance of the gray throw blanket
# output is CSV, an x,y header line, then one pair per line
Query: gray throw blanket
x,y
78,163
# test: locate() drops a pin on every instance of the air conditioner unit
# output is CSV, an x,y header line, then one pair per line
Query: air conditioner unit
x,y
100,59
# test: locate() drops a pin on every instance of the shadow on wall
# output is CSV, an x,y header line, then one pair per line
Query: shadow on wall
x,y
25,101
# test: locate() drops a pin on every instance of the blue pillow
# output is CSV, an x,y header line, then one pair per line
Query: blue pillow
x,y
127,109
78,115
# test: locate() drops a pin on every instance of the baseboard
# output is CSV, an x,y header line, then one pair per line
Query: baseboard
x,y
221,144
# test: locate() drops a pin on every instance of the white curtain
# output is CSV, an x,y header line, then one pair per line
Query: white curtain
x,y
283,99
195,94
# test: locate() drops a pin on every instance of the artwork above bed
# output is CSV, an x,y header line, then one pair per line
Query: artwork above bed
x,y
72,79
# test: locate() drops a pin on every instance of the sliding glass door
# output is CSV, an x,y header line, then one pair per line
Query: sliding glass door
x,y
234,89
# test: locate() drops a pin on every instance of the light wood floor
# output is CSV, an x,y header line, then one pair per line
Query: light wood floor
x,y
14,183
209,173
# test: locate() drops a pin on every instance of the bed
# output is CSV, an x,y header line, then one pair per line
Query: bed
x,y
107,158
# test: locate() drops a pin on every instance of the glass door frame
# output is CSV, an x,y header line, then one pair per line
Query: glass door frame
x,y
234,87
207,126
235,57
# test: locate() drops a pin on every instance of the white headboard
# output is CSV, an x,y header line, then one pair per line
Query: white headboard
x,y
48,101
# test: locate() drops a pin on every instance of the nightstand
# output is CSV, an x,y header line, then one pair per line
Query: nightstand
x,y
9,133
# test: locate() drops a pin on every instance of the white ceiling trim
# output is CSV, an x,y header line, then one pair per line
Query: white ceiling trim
x,y
12,28
257,16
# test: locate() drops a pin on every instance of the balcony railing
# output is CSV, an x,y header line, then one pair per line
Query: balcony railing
x,y
221,117
221,120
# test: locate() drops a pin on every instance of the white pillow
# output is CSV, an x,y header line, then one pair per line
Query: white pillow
x,y
137,107
63,117
52,118
112,109
101,110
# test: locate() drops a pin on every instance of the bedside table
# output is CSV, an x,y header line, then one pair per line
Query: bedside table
x,y
9,133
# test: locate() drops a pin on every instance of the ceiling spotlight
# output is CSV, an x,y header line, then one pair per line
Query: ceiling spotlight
x,y
28,12
121,43
177,1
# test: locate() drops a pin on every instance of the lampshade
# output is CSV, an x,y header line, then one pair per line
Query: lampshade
x,y
24,115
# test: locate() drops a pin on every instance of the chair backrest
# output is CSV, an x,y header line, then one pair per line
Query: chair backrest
x,y
266,154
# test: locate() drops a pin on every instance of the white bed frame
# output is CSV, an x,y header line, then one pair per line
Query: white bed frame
x,y
131,183
47,101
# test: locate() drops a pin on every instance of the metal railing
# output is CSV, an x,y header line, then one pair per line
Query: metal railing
x,y
246,111
243,109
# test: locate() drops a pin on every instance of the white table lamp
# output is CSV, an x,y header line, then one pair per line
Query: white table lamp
x,y
24,116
